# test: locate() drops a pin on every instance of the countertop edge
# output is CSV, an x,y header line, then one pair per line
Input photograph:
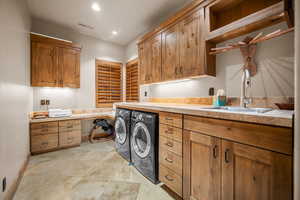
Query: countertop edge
x,y
257,119
74,117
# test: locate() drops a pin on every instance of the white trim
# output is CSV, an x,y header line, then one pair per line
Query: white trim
x,y
47,36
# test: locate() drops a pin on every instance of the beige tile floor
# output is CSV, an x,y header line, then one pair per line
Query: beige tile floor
x,y
89,172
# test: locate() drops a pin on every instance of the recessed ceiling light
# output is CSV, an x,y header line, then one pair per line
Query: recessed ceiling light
x,y
96,7
114,32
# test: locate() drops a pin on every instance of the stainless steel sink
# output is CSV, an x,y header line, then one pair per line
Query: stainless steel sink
x,y
241,109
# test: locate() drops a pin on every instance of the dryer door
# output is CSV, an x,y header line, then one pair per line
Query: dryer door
x,y
121,131
141,140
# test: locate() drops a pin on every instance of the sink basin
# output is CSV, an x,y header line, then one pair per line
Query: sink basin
x,y
241,109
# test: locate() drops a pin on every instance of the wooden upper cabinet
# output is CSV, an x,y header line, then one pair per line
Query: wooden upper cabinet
x,y
202,166
170,53
54,63
150,54
143,63
155,55
44,65
192,45
252,173
69,60
184,51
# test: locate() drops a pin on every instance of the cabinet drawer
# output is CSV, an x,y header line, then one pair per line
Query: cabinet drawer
x,y
44,131
70,125
170,145
46,125
42,143
171,179
170,160
171,119
170,132
268,137
69,138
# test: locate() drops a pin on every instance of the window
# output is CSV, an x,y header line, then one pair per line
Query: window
x,y
108,83
132,85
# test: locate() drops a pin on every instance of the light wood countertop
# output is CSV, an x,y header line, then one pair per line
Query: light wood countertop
x,y
283,118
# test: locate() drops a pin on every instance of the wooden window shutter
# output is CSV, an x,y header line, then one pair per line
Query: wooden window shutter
x,y
132,84
108,83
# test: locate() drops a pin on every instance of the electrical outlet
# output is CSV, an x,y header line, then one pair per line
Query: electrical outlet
x,y
211,91
43,102
4,184
146,93
47,102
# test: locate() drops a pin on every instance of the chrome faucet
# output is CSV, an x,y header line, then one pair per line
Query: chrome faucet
x,y
246,84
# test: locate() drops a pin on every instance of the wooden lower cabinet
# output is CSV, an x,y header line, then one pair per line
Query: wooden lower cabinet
x,y
43,143
171,179
69,138
202,166
215,169
50,136
170,151
252,173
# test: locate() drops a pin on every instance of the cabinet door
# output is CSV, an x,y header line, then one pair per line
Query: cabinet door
x,y
154,69
170,53
44,65
69,61
250,173
192,45
143,63
202,166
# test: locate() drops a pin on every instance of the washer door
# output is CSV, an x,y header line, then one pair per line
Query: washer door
x,y
141,140
121,131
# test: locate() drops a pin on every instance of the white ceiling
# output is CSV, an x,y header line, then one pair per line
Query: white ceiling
x,y
129,17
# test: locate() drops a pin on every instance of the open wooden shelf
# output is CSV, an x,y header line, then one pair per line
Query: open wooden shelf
x,y
257,39
232,18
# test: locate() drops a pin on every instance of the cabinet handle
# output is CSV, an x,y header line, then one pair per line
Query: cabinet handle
x,y
169,132
45,144
45,130
176,70
169,144
168,178
71,126
181,70
168,160
227,155
70,140
168,119
215,151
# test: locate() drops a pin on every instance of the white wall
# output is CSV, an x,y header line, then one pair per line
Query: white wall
x,y
275,60
297,120
92,48
15,91
131,51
